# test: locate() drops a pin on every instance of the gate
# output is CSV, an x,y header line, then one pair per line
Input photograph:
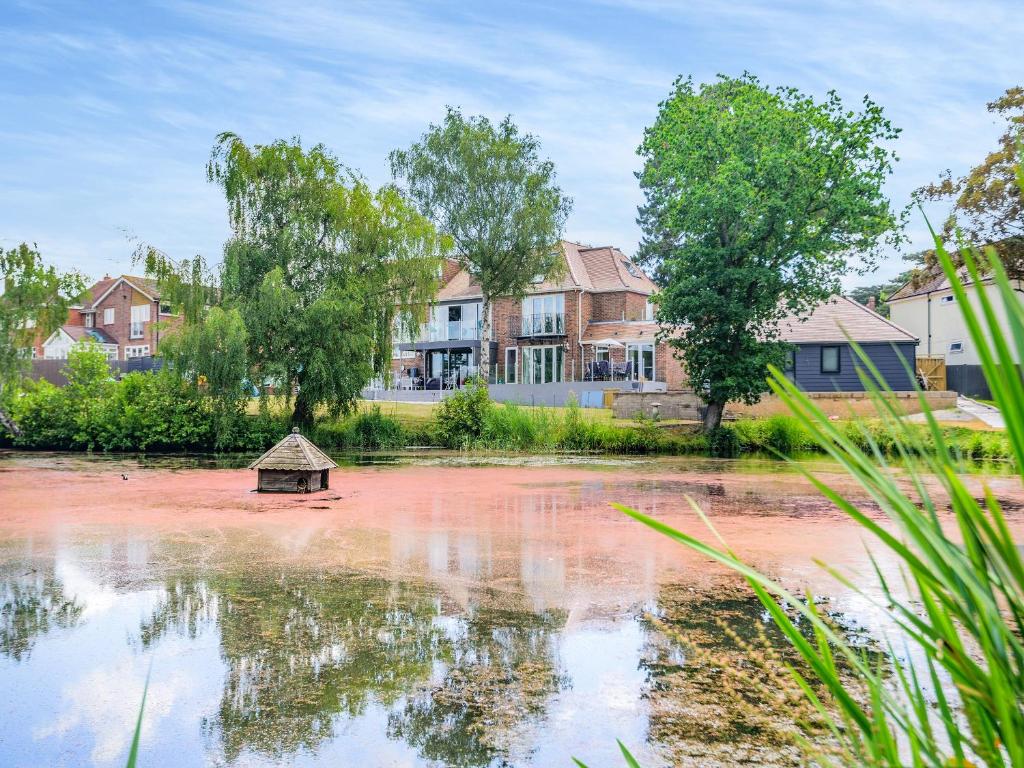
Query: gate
x,y
933,371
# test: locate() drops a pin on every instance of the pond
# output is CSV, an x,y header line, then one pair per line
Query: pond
x,y
427,610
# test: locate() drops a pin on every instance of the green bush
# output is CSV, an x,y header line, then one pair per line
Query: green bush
x,y
369,431
459,419
723,443
152,411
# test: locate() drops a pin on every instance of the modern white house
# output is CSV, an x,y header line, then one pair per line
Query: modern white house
x,y
928,309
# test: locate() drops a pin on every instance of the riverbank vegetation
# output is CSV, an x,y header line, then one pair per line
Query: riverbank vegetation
x,y
165,412
952,690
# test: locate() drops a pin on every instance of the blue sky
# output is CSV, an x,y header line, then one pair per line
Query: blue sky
x,y
110,109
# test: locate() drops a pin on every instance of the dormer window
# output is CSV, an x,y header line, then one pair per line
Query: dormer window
x,y
631,268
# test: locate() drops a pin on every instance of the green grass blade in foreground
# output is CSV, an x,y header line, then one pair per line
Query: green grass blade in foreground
x,y
133,753
964,605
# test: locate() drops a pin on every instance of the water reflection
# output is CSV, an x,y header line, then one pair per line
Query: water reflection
x,y
304,650
32,603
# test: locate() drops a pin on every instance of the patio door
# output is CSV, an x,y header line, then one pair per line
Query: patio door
x,y
543,365
642,358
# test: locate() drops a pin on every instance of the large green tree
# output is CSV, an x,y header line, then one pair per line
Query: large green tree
x,y
318,268
987,204
486,186
881,291
34,302
756,200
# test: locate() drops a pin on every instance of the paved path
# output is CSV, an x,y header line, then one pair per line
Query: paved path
x,y
982,412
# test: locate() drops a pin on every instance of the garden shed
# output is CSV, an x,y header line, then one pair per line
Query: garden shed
x,y
294,465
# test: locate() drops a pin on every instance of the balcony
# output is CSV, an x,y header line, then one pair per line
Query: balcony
x,y
542,324
452,330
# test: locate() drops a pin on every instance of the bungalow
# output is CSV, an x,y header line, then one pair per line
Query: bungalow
x,y
822,359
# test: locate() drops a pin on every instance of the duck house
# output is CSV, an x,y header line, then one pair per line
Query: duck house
x,y
294,465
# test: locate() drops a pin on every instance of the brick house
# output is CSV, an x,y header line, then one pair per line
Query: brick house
x,y
596,320
123,314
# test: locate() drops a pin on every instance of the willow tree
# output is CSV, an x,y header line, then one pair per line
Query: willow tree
x,y
486,187
319,265
34,303
757,200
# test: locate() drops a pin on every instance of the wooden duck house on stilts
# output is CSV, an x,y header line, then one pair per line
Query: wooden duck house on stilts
x,y
294,465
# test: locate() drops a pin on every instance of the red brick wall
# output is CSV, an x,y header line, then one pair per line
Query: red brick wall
x,y
121,299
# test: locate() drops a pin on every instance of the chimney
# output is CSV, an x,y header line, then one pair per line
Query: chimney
x,y
871,303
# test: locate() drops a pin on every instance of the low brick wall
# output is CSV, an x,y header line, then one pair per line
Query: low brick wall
x,y
671,405
844,404
687,406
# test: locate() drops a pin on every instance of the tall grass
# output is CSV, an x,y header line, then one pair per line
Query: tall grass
x,y
960,606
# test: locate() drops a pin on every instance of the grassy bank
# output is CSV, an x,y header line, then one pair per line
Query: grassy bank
x,y
156,413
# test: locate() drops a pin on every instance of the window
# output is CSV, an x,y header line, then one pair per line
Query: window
x,y
510,365
165,309
544,315
830,359
140,315
601,354
108,316
947,299
90,320
649,310
137,351
631,268
543,365
956,347
641,356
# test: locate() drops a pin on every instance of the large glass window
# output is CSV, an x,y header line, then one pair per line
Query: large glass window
x,y
140,315
454,321
544,314
642,358
543,365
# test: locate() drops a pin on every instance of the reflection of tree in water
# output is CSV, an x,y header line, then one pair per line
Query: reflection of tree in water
x,y
302,648
32,603
501,673
719,685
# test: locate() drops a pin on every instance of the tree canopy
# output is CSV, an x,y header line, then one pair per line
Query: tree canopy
x,y
880,291
318,268
756,200
34,303
988,207
486,187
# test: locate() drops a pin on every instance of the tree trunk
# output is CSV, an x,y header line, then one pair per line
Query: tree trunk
x,y
302,413
485,339
713,416
8,423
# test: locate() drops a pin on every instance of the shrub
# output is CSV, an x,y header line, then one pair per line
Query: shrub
x,y
723,443
369,430
459,419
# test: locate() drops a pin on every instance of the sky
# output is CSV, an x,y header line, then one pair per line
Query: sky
x,y
108,111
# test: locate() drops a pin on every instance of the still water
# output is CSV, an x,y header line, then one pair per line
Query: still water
x,y
424,611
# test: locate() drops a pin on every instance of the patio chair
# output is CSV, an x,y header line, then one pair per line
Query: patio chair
x,y
604,369
627,372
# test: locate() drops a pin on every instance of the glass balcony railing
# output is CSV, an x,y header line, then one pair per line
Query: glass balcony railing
x,y
543,324
452,330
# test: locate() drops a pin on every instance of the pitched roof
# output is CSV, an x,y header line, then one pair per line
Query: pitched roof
x,y
931,279
102,287
80,333
839,316
591,269
294,453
